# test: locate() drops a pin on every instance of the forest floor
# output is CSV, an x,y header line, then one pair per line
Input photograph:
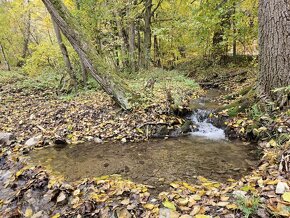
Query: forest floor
x,y
37,118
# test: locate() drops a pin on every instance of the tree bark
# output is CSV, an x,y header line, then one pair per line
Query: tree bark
x,y
274,44
65,56
26,33
83,67
147,32
131,32
97,64
4,58
131,38
123,56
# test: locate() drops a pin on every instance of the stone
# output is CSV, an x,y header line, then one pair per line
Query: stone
x,y
6,138
281,188
33,141
161,132
98,140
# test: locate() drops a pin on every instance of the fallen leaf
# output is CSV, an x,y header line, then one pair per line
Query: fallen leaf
x,y
169,205
28,212
286,196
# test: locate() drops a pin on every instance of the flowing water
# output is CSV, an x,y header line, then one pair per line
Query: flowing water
x,y
205,152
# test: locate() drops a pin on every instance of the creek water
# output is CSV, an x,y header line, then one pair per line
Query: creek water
x,y
205,152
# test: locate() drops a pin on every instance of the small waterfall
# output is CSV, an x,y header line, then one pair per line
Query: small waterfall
x,y
204,127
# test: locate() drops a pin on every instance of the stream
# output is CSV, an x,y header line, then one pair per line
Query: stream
x,y
205,152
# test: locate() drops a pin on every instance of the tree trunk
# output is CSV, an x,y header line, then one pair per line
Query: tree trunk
x,y
140,58
274,43
157,60
147,32
83,67
4,58
132,46
219,45
110,82
65,55
26,33
123,56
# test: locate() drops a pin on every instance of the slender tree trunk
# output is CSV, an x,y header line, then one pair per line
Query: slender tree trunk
x,y
65,55
5,60
274,43
123,59
102,71
83,67
26,33
131,39
140,63
84,73
147,32
157,61
234,33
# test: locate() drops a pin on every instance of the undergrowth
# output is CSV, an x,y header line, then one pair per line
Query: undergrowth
x,y
176,82
248,205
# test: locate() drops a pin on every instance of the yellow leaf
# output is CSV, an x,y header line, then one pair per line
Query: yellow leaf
x,y
174,185
169,205
196,197
149,206
231,206
202,216
28,212
286,196
56,215
195,210
222,204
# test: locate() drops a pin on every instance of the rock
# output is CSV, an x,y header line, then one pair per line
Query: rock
x,y
33,141
167,213
161,132
60,143
98,140
6,138
281,188
239,193
185,128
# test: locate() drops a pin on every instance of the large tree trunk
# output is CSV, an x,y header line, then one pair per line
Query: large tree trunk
x,y
4,58
65,55
274,42
103,72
